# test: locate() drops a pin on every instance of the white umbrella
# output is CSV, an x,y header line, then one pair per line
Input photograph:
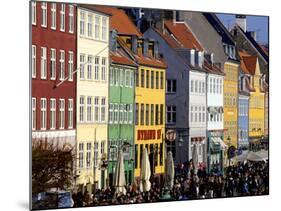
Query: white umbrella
x,y
120,181
145,184
195,158
169,171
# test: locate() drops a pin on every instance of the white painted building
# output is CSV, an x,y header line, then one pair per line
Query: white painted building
x,y
197,107
92,96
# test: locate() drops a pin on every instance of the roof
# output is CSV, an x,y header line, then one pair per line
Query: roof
x,y
94,8
248,63
141,59
183,35
214,69
119,20
249,37
118,57
168,39
220,28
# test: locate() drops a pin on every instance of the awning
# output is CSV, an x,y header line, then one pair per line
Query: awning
x,y
220,109
219,141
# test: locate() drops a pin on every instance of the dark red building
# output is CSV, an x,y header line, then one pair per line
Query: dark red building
x,y
53,63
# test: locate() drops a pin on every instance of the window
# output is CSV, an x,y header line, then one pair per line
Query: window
x,y
102,117
43,62
82,23
53,64
211,85
157,80
127,78
33,113
142,77
82,66
53,113
137,114
218,85
33,13
33,62
90,65
171,114
130,114
147,78
147,114
62,113
137,77
90,25
70,66
81,155
142,115
191,114
96,109
161,114
62,65
88,155
103,68
97,27
104,28
53,16
122,73
214,85
89,109
195,113
171,86
81,109
70,113
203,113
199,89
62,17
191,86
121,113
203,87
71,18
110,113
199,114
152,80
151,114
161,80
156,114
102,144
132,79
196,86
116,76
115,117
97,67
44,14
96,152
43,116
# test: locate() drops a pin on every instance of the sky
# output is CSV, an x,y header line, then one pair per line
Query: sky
x,y
254,23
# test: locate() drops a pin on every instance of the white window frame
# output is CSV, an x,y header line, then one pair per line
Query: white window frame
x,y
54,16
170,110
127,78
82,67
96,154
81,108
43,115
115,114
132,79
81,155
121,113
82,23
53,64
131,114
103,109
90,25
62,17
70,113
70,65
62,65
90,68
111,113
97,109
43,63
88,155
33,62
97,27
71,19
33,12
89,109
104,29
61,113
103,68
33,113
52,113
44,14
96,73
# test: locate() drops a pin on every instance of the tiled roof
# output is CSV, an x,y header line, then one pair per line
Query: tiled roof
x,y
141,59
212,68
168,39
119,20
183,34
248,63
118,57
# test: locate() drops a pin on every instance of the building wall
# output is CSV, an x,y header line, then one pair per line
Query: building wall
x,y
150,135
266,116
46,88
243,121
256,111
91,131
119,132
231,102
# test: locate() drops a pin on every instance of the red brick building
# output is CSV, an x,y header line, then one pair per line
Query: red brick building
x,y
53,63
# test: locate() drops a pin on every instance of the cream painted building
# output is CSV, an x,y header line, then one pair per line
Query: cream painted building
x,y
92,97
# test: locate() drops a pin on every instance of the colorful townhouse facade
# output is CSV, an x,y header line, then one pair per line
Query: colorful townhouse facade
x,y
93,97
121,110
256,99
53,61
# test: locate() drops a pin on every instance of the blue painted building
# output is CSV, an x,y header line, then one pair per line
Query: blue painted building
x,y
243,111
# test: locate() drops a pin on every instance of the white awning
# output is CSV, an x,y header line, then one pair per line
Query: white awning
x,y
218,140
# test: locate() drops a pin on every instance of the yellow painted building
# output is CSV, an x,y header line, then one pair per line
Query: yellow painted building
x,y
231,103
92,97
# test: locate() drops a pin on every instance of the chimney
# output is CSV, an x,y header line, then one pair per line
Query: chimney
x,y
134,44
253,35
191,57
241,21
145,47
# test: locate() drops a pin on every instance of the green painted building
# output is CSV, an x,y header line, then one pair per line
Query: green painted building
x,y
121,113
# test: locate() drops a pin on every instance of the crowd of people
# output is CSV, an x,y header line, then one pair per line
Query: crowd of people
x,y
241,179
